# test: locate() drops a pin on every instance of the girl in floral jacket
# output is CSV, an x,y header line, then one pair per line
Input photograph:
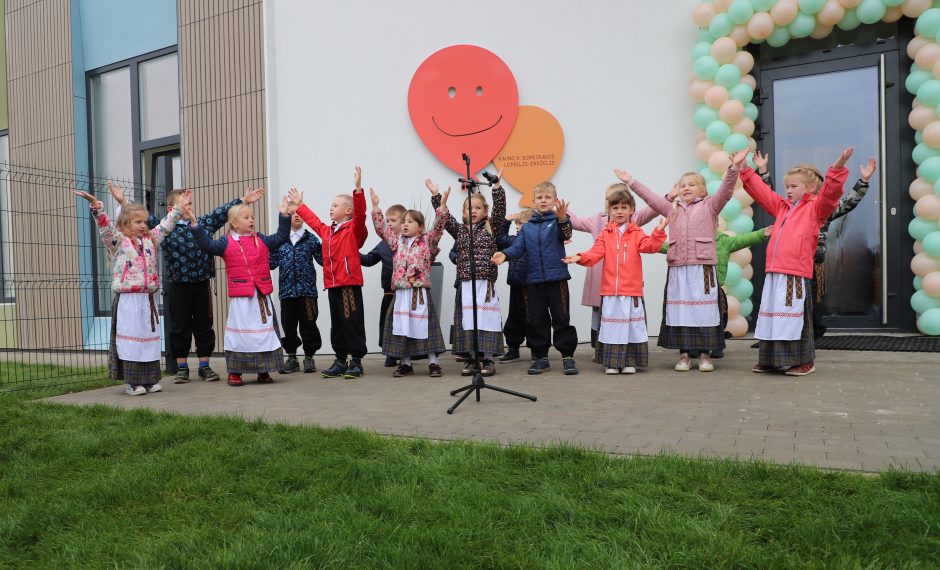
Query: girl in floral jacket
x,y
134,351
412,327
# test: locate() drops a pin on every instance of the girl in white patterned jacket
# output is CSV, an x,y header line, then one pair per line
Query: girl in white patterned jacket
x,y
134,351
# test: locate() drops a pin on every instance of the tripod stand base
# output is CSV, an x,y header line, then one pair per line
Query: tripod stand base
x,y
480,384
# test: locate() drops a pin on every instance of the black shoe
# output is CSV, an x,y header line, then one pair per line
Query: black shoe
x,y
570,369
336,370
539,365
468,369
290,365
756,345
208,374
391,362
512,355
403,370
355,369
309,366
182,375
718,353
489,368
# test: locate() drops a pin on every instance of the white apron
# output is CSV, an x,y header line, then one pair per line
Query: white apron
x,y
621,322
488,316
244,331
776,320
408,321
135,342
687,303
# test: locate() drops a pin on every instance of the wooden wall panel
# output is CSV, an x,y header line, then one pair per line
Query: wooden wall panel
x,y
221,53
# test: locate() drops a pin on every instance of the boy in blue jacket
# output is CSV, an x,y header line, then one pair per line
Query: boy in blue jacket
x,y
542,241
297,290
515,328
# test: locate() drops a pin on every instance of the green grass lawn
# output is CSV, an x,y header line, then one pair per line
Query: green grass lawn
x,y
94,486
37,380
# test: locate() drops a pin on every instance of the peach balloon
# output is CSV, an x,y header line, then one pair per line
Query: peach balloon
x,y
740,35
914,8
731,112
751,145
742,257
747,272
932,134
919,247
850,3
744,127
723,50
927,56
722,224
830,14
699,136
923,265
893,14
931,284
738,184
928,207
744,61
704,149
702,15
784,12
749,80
722,5
719,161
743,197
737,326
914,46
716,96
760,26
920,188
698,88
920,117
747,211
820,31
734,306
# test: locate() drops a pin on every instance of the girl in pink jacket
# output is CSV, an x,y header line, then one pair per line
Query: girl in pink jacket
x,y
691,317
785,319
412,326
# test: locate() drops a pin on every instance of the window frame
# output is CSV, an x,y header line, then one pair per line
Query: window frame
x,y
4,298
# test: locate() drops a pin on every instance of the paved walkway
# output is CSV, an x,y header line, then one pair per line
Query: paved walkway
x,y
861,410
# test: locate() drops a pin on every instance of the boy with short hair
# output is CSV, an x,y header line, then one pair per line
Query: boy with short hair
x,y
382,253
542,241
342,274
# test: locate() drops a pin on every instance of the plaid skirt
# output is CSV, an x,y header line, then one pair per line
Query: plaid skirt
x,y
127,371
462,340
398,346
242,362
787,353
635,354
692,339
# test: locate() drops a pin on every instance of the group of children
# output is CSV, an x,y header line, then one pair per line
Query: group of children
x,y
694,311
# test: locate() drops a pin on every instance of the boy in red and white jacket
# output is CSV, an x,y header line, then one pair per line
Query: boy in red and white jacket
x,y
342,274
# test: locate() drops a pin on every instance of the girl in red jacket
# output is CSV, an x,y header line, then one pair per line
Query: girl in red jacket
x,y
251,342
785,320
622,338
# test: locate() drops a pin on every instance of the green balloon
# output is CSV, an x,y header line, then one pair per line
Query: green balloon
x,y
893,2
928,24
741,225
918,282
750,111
728,75
812,6
705,116
929,92
706,36
780,36
920,228
708,175
932,243
742,290
921,302
717,132
802,26
705,67
922,152
763,5
712,187
936,185
742,92
850,21
740,11
735,142
929,322
916,78
731,210
918,137
733,275
700,49
747,307
929,170
720,26
871,11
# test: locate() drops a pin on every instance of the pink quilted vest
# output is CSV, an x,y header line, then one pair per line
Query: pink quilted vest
x,y
246,264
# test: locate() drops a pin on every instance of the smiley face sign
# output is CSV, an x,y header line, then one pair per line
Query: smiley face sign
x,y
463,99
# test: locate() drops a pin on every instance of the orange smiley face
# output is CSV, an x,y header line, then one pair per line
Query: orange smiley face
x,y
463,99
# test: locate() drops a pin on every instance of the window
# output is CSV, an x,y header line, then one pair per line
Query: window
x,y
134,117
6,234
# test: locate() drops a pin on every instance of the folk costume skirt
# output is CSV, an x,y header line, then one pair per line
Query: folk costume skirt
x,y
252,343
413,312
785,322
622,339
462,337
691,317
134,350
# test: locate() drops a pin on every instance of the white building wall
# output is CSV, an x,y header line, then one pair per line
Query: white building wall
x,y
613,72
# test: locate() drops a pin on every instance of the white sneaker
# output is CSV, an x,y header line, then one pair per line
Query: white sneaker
x,y
628,370
155,388
611,371
134,390
705,363
683,364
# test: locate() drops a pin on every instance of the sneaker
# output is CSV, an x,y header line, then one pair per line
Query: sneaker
x,y
683,364
705,363
264,378
403,370
290,365
153,388
391,362
468,368
435,371
235,380
512,355
336,370
628,370
612,371
208,374
569,366
354,370
801,370
539,365
489,368
182,375
718,354
761,368
309,366
134,390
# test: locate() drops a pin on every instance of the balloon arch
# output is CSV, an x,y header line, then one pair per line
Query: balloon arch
x,y
722,88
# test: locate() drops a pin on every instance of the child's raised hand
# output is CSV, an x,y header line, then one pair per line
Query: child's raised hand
x,y
375,199
498,258
663,222
252,195
738,158
444,197
188,213
571,259
431,186
868,169
561,210
768,231
117,192
91,199
295,196
761,160
357,178
186,198
284,206
624,176
843,158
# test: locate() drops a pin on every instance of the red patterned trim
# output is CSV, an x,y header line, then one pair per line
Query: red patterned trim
x,y
410,315
137,338
692,303
250,331
623,321
773,315
479,308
